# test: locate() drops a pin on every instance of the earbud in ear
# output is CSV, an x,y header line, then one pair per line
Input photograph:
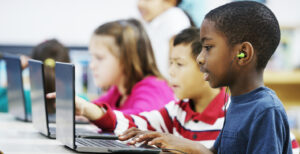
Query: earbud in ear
x,y
241,55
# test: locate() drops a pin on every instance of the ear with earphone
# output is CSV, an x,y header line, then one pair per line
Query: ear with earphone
x,y
241,55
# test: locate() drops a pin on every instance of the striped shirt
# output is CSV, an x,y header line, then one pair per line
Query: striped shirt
x,y
176,118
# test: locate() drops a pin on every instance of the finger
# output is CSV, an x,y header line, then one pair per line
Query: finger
x,y
130,130
149,135
159,142
51,95
129,134
24,61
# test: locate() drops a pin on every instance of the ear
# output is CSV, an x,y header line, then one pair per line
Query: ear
x,y
245,55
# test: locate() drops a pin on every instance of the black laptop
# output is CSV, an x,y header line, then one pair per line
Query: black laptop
x,y
40,116
65,117
15,89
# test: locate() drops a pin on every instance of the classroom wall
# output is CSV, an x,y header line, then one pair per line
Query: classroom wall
x,y
28,22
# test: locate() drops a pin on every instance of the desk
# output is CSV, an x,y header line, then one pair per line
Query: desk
x,y
21,137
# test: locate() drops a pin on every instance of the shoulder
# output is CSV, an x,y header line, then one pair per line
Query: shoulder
x,y
267,100
173,16
151,83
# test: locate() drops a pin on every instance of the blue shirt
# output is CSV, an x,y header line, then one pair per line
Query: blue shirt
x,y
256,122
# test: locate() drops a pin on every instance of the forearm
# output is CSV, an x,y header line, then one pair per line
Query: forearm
x,y
92,111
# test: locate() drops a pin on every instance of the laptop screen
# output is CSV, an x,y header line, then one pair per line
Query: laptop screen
x,y
15,91
65,95
37,93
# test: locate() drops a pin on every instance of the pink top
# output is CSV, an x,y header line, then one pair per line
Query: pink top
x,y
148,94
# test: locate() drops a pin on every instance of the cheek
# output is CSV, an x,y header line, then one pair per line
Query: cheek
x,y
106,74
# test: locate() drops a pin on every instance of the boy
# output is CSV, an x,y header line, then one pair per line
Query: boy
x,y
198,118
238,39
162,20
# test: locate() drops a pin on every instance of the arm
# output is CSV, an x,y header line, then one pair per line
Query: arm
x,y
269,133
83,107
167,142
158,120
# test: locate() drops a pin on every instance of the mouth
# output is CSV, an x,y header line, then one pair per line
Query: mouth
x,y
205,73
174,86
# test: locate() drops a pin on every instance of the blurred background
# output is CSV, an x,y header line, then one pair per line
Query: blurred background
x,y
24,24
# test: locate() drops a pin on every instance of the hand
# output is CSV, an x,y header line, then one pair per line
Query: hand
x,y
51,95
171,143
80,104
83,107
131,133
24,61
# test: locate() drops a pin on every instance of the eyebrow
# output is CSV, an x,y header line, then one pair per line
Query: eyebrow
x,y
205,39
175,58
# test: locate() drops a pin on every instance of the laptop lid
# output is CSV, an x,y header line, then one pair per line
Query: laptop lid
x,y
65,98
37,93
15,90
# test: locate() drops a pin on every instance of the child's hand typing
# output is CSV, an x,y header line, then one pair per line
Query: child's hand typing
x,y
167,142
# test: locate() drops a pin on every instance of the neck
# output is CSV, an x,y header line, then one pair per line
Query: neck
x,y
247,82
204,100
121,86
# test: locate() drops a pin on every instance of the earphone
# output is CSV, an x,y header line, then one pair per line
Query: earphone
x,y
241,55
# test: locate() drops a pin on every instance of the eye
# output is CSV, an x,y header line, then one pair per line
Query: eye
x,y
207,47
98,57
179,64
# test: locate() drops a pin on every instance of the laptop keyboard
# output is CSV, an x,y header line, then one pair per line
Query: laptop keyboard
x,y
77,130
101,143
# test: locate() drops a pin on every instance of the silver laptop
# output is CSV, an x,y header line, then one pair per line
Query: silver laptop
x,y
40,114
15,90
65,113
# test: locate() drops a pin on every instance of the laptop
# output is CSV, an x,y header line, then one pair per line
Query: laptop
x,y
40,116
15,89
65,113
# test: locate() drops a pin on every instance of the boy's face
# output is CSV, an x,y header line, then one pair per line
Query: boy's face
x,y
185,77
216,57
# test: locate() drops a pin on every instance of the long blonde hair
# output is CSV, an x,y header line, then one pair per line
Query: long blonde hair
x,y
135,50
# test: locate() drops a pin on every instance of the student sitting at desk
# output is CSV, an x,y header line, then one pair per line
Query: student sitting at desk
x,y
122,59
238,39
48,52
198,114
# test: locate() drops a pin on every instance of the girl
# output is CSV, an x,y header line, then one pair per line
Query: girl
x,y
122,59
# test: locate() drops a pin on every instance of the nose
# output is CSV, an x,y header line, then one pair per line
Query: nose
x,y
92,65
171,71
200,58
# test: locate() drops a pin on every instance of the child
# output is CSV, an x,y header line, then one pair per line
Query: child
x,y
198,118
48,51
238,39
163,20
122,59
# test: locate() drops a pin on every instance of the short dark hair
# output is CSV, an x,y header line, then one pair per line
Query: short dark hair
x,y
248,21
189,36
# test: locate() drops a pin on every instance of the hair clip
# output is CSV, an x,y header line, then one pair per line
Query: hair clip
x,y
49,62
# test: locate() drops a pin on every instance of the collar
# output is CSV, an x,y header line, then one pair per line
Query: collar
x,y
211,113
